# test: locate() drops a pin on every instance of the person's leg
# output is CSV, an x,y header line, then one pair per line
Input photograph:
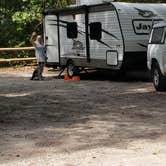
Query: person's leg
x,y
39,71
33,74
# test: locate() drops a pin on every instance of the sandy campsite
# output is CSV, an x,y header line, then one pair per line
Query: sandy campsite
x,y
91,122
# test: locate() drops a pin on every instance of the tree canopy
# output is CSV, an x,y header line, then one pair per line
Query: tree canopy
x,y
18,18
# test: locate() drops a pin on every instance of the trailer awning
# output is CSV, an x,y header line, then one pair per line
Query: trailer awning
x,y
80,9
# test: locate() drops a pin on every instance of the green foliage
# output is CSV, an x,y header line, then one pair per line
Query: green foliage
x,y
19,18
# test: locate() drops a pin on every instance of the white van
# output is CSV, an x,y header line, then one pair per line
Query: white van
x,y
156,60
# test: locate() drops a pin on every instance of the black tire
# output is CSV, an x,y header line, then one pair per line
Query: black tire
x,y
72,70
159,80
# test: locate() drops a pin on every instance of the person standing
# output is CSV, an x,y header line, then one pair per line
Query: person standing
x,y
40,53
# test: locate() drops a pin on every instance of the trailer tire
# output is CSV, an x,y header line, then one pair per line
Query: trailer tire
x,y
72,70
159,80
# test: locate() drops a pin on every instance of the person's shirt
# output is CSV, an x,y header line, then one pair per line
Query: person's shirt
x,y
40,52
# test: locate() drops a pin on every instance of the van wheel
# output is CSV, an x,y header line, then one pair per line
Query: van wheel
x,y
159,81
72,70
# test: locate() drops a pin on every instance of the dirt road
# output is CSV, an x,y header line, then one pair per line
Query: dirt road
x,y
97,121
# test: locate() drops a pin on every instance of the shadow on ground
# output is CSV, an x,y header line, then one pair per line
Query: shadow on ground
x,y
66,116
103,75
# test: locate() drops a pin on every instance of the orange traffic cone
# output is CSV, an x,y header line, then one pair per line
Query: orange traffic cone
x,y
76,78
66,77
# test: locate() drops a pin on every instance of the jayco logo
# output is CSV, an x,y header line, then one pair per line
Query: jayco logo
x,y
146,13
143,26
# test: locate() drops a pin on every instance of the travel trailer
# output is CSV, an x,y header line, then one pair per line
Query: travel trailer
x,y
107,35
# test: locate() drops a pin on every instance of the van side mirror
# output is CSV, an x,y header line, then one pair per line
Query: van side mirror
x,y
72,31
95,31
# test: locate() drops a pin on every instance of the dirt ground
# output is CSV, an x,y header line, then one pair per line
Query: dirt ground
x,y
98,121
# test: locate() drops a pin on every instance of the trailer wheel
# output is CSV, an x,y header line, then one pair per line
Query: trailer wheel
x,y
159,80
72,70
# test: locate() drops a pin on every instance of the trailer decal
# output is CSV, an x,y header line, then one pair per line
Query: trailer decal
x,y
145,46
108,33
77,45
146,13
104,43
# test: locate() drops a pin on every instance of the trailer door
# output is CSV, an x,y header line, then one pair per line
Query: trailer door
x,y
51,39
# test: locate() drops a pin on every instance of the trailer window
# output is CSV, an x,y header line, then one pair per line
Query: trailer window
x,y
157,36
72,31
95,31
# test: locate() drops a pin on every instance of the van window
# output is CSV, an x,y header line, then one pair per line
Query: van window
x,y
72,31
157,36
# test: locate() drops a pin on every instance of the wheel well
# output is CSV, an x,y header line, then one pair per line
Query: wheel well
x,y
154,61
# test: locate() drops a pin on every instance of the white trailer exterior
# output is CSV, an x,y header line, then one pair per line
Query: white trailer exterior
x,y
112,35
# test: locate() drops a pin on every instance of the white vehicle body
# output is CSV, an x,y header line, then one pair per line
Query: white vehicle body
x,y
123,41
156,55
